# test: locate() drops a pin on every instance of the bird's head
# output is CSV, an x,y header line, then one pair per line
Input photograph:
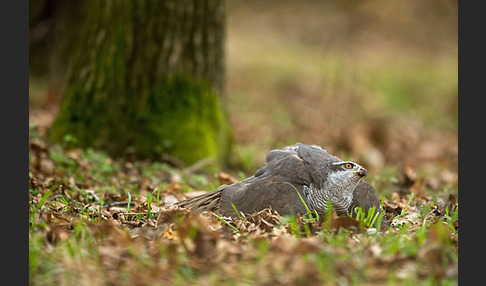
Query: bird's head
x,y
345,175
349,168
336,185
340,182
354,168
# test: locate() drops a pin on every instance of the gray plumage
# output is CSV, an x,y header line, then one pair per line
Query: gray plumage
x,y
318,176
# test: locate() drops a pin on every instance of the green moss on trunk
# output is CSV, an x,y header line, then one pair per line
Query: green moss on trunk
x,y
181,117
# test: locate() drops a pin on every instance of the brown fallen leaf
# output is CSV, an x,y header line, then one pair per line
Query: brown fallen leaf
x,y
349,223
311,244
60,226
418,188
194,194
453,201
205,240
392,207
226,179
110,230
408,177
170,234
174,188
171,214
197,237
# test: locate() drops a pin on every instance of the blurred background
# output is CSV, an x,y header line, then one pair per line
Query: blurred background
x,y
375,80
371,81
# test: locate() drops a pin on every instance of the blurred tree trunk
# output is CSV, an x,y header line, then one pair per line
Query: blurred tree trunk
x,y
53,28
148,80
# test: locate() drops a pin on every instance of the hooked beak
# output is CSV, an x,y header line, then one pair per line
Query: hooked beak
x,y
362,172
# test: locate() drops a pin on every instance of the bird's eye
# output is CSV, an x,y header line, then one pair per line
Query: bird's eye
x,y
348,165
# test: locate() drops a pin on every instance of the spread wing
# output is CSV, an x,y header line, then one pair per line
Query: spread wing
x,y
276,183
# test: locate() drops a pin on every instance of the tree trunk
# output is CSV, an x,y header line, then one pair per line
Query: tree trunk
x,y
148,80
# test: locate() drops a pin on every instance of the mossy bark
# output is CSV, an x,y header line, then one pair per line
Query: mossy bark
x,y
148,80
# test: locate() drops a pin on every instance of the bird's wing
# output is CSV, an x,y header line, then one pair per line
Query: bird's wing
x,y
263,193
275,184
317,161
299,163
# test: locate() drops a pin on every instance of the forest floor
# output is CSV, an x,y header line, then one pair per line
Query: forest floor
x,y
95,220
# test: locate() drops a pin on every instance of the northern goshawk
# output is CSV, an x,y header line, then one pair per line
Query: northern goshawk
x,y
319,177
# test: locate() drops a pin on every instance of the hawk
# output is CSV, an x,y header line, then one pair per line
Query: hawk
x,y
321,179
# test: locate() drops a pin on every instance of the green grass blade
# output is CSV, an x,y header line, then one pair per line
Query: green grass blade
x,y
47,195
99,208
129,207
307,230
370,216
377,218
237,212
149,202
65,201
309,212
229,224
405,210
158,194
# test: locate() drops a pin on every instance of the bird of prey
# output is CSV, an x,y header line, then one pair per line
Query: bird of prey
x,y
320,178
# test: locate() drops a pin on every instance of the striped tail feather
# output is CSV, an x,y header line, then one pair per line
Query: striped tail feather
x,y
205,202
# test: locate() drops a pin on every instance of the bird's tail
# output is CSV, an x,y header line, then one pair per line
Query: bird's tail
x,y
205,202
